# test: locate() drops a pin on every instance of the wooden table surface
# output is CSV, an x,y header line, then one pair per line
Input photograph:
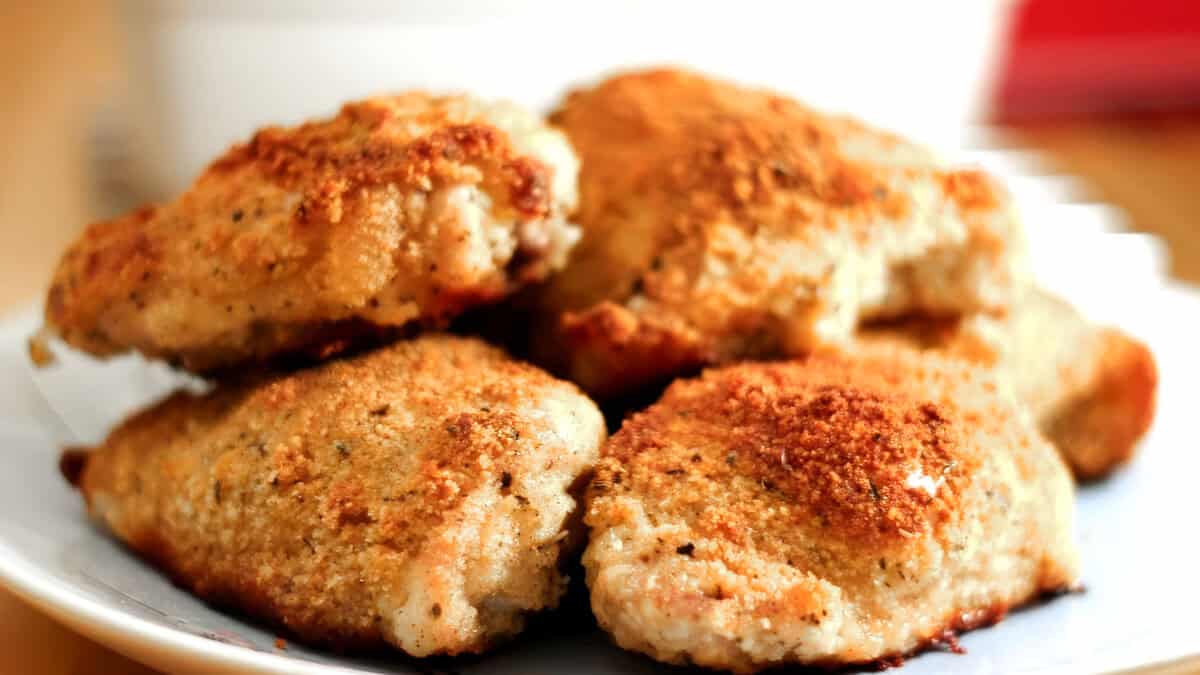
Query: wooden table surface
x,y
58,55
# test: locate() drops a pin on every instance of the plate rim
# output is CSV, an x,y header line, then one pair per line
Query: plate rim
x,y
133,636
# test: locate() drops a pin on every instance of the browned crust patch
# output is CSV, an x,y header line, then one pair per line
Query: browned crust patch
x,y
302,497
300,227
1098,431
835,439
673,159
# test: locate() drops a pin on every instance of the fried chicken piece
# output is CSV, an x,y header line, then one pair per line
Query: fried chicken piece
x,y
421,495
829,511
722,223
1091,388
400,209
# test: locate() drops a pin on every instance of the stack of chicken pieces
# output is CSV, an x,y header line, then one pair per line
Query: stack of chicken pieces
x,y
866,442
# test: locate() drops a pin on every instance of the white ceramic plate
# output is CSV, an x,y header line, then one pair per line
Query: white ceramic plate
x,y
1137,531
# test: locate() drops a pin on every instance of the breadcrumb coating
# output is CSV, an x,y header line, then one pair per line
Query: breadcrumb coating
x,y
421,495
722,223
400,209
1091,388
835,510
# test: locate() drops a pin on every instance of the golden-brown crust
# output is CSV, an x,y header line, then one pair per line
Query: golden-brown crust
x,y
351,218
1098,429
624,351
367,145
838,509
831,438
314,499
690,189
834,438
1091,388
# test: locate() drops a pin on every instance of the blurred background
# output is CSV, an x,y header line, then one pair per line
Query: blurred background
x,y
110,103
107,104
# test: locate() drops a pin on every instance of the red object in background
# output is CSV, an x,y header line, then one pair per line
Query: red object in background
x,y
1070,57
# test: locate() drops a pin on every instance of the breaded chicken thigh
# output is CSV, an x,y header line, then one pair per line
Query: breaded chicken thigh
x,y
834,510
1091,388
400,209
721,223
421,495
